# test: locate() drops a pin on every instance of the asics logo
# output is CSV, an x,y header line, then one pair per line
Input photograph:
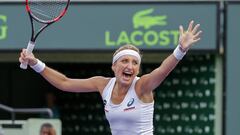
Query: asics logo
x,y
131,101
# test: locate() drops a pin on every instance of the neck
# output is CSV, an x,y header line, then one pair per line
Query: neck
x,y
121,89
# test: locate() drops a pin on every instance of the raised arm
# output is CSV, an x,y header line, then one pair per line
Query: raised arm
x,y
187,38
59,80
64,83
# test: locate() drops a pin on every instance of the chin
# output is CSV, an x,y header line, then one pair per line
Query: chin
x,y
127,82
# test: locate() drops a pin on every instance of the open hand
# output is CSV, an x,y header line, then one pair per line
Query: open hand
x,y
189,37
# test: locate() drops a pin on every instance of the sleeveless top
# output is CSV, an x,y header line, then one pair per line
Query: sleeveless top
x,y
131,116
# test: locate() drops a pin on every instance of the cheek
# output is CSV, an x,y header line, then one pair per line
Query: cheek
x,y
137,68
119,70
116,69
119,67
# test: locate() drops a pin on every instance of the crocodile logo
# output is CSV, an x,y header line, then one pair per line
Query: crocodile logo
x,y
145,20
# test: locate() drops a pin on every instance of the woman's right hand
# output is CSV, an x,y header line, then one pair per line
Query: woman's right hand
x,y
30,58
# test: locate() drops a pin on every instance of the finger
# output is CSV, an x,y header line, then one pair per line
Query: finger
x,y
181,30
196,40
197,35
20,60
190,26
195,28
22,54
26,54
24,50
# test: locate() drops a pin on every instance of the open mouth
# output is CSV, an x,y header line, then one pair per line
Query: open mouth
x,y
127,75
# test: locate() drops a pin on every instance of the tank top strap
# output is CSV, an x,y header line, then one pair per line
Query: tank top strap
x,y
132,88
107,91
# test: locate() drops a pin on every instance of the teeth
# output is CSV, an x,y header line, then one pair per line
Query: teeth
x,y
127,73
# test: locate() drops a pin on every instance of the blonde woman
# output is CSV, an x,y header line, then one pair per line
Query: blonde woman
x,y
128,99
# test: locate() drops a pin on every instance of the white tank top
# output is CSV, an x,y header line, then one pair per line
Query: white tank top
x,y
131,116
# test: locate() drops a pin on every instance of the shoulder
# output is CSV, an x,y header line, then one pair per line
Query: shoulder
x,y
146,96
101,82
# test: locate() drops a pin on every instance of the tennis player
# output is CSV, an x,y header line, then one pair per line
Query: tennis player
x,y
128,99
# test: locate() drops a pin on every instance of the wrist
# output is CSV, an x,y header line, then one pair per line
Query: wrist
x,y
39,66
33,62
182,49
179,52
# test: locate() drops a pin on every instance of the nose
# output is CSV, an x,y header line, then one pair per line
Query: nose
x,y
130,65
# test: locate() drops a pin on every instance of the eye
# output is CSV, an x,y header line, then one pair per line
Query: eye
x,y
124,60
135,62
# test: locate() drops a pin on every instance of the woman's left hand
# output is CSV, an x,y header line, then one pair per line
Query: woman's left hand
x,y
189,37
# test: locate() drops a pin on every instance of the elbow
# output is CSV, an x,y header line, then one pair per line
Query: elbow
x,y
63,84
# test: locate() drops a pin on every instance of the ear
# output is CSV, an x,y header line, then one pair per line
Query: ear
x,y
113,67
139,70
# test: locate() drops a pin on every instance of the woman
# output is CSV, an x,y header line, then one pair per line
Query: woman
x,y
128,99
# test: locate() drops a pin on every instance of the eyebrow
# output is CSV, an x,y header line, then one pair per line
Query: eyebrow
x,y
135,60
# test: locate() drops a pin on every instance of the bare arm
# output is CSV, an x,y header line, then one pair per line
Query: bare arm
x,y
152,80
64,83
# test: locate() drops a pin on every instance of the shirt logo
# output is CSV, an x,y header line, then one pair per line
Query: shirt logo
x,y
131,101
129,104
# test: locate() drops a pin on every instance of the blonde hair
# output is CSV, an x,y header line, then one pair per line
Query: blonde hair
x,y
127,46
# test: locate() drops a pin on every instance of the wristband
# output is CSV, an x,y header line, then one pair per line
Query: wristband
x,y
178,53
39,67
